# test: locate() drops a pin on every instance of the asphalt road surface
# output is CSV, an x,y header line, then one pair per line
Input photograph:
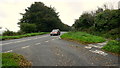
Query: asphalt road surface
x,y
46,50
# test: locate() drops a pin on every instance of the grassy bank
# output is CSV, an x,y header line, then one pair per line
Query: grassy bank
x,y
14,60
112,46
21,36
82,37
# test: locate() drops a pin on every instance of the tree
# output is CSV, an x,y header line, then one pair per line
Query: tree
x,y
99,10
28,28
45,18
9,33
107,20
104,22
85,21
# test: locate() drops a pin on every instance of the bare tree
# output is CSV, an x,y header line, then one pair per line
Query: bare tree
x,y
105,6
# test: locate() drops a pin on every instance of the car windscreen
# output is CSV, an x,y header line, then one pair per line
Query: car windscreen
x,y
54,30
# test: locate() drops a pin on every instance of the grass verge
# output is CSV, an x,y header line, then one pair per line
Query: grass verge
x,y
82,37
112,46
21,36
14,60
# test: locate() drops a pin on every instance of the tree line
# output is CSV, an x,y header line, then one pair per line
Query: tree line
x,y
104,22
41,18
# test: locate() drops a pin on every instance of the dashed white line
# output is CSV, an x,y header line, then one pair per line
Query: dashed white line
x,y
25,47
29,39
53,39
22,40
42,36
18,41
46,41
7,43
25,40
35,38
88,47
8,51
0,44
37,43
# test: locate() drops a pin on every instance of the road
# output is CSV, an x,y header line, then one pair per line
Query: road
x,y
45,50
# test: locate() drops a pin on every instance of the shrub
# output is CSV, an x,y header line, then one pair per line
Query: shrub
x,y
20,32
9,33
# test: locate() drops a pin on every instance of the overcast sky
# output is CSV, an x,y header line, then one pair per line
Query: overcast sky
x,y
69,10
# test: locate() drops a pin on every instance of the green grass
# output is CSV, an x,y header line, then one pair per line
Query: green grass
x,y
21,36
14,60
112,46
82,37
10,59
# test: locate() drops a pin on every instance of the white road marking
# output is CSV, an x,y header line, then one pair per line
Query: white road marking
x,y
0,44
8,51
88,47
62,55
28,39
102,43
18,41
97,46
37,43
42,36
35,38
7,43
59,37
25,47
46,41
99,52
53,39
22,40
92,63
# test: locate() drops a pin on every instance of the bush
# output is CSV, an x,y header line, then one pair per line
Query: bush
x,y
9,33
20,32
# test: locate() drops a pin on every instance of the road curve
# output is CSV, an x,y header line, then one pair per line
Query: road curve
x,y
46,50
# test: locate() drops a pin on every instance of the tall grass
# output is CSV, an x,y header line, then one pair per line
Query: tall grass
x,y
82,37
9,59
14,60
112,46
